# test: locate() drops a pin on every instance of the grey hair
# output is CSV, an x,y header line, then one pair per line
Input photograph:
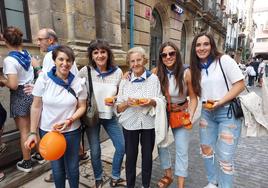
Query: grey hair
x,y
139,50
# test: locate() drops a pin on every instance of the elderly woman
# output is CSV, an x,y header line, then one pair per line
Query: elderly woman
x,y
136,96
18,71
59,101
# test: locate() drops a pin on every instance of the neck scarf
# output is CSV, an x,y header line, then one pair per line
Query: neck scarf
x,y
207,64
141,79
52,47
169,72
107,73
24,59
52,75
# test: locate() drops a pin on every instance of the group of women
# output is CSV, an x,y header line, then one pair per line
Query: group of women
x,y
138,96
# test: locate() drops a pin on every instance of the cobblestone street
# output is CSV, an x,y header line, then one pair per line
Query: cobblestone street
x,y
251,164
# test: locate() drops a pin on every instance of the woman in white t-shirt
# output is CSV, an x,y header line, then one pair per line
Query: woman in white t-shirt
x,y
106,77
59,101
18,71
219,129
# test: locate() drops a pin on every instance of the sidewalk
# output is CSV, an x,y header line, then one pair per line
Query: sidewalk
x,y
251,165
86,173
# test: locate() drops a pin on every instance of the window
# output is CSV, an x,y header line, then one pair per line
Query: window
x,y
15,13
262,40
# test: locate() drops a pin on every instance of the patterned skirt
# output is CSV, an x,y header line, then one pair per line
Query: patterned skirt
x,y
20,103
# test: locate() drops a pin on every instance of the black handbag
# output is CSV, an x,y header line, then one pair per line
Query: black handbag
x,y
235,104
3,115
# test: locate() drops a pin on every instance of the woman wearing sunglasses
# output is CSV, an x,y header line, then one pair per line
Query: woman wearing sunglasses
x,y
176,85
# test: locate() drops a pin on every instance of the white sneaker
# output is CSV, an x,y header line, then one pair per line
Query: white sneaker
x,y
211,185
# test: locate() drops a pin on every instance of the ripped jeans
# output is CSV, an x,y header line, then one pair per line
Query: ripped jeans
x,y
218,139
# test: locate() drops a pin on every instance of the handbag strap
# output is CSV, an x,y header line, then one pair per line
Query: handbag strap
x,y
223,74
90,83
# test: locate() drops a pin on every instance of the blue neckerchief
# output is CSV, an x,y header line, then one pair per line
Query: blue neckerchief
x,y
24,59
207,64
169,73
107,73
52,47
141,79
52,75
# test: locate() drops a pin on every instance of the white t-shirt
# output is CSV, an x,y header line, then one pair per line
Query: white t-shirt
x,y
58,103
261,68
250,71
174,91
12,66
103,88
213,85
48,63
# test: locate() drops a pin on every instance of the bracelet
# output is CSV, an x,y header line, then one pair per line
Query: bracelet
x,y
32,133
71,120
38,68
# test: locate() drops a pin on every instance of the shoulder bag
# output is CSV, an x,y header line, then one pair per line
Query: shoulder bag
x,y
91,116
235,104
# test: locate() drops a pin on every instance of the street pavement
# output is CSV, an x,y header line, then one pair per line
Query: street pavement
x,y
251,164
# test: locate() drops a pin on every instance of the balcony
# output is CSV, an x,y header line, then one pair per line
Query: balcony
x,y
209,9
193,5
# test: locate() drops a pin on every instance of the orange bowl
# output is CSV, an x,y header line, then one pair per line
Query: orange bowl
x,y
109,100
142,101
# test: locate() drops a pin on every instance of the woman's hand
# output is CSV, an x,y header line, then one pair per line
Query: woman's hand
x,y
126,75
59,127
147,102
31,141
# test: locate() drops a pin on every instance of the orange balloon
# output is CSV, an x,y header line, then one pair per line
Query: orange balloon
x,y
52,146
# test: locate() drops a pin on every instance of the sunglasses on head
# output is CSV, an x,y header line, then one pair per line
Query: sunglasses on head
x,y
171,54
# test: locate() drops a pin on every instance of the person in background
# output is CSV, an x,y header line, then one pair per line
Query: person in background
x,y
266,69
18,71
219,129
250,72
261,70
137,95
59,101
3,147
106,77
176,84
255,63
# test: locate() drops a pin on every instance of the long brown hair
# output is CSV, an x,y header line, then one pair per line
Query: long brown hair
x,y
195,61
178,69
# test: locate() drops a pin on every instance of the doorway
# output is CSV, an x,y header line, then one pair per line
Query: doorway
x,y
156,31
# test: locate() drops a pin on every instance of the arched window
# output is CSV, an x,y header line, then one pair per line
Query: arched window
x,y
156,37
183,44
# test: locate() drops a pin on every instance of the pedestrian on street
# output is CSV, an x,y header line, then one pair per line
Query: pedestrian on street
x,y
3,147
137,95
106,77
219,132
250,72
261,70
59,102
176,84
18,71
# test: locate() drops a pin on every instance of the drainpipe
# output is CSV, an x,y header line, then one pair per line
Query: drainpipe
x,y
131,3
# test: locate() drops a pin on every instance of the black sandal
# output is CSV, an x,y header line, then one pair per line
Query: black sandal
x,y
118,183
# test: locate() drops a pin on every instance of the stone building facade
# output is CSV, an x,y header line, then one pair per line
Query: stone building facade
x,y
77,22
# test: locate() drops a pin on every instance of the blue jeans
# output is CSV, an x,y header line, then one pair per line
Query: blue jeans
x,y
221,134
115,133
69,162
181,138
